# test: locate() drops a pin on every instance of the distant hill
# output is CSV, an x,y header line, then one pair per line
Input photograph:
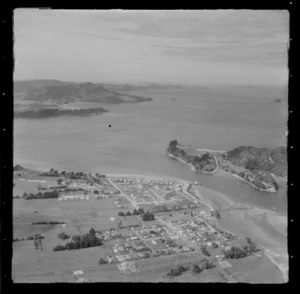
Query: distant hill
x,y
58,91
273,160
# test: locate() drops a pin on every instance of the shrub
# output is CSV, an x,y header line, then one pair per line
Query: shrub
x,y
103,261
205,252
63,236
135,212
196,269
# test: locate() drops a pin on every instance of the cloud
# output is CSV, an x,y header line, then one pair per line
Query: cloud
x,y
102,36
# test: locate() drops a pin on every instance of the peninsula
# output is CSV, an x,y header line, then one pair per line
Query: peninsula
x,y
255,166
54,112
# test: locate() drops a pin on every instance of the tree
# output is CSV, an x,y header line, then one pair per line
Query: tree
x,y
214,245
121,213
92,232
141,211
96,192
205,251
135,212
59,181
148,216
128,213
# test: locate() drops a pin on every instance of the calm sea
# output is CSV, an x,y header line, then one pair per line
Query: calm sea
x,y
219,118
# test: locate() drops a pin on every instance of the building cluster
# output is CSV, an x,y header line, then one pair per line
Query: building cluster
x,y
82,190
199,232
156,194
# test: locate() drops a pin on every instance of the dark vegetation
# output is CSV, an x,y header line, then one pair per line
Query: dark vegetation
x,y
33,237
260,179
48,223
40,195
146,216
54,112
18,168
195,268
63,236
237,252
80,242
74,175
273,160
205,251
204,163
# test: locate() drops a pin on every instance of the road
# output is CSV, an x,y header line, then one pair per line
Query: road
x,y
209,150
123,194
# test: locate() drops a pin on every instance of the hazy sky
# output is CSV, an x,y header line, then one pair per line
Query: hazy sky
x,y
175,46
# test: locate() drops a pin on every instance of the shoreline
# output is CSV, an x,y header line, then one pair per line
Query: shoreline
x,y
217,170
237,221
191,166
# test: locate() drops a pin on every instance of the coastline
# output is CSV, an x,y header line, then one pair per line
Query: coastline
x,y
266,227
217,169
191,166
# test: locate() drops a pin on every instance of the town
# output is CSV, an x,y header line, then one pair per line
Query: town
x,y
153,217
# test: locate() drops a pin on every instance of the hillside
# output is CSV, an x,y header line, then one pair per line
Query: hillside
x,y
63,92
273,160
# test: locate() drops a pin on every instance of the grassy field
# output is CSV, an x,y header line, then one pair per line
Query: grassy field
x,y
31,265
254,270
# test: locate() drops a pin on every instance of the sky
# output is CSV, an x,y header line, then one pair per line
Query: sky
x,y
200,47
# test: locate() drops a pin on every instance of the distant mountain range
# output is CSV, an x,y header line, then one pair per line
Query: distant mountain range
x,y
64,92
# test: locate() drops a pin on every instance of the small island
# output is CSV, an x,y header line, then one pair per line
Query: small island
x,y
255,166
55,112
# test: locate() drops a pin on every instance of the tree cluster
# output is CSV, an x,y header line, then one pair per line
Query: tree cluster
x,y
40,195
198,267
81,241
48,223
235,253
140,211
51,173
177,271
148,216
251,247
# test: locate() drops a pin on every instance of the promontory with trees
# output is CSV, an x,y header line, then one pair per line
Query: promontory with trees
x,y
54,112
256,166
205,163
